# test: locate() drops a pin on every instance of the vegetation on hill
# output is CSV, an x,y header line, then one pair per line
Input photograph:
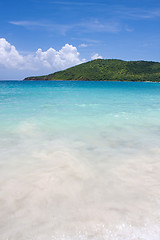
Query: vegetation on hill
x,y
109,69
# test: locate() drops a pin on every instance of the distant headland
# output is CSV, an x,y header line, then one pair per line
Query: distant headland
x,y
108,70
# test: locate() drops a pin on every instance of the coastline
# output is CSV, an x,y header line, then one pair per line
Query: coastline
x,y
90,80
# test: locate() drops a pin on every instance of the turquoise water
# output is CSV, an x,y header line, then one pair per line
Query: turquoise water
x,y
79,160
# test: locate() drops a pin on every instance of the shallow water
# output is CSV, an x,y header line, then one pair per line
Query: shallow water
x,y
79,160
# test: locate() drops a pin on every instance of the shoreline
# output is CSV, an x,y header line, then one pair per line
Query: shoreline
x,y
90,80
60,80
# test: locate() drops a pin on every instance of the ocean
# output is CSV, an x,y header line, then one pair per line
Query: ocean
x,y
79,160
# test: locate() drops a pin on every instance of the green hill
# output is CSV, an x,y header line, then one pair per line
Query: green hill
x,y
109,69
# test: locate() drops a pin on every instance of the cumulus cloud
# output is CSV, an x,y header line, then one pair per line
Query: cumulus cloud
x,y
50,60
96,56
66,57
9,56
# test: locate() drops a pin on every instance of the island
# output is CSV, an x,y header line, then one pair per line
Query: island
x,y
107,70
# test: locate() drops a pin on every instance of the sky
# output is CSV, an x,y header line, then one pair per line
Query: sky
x,y
43,36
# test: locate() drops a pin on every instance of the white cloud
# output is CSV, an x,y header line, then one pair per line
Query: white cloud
x,y
96,56
83,45
73,3
9,56
91,25
50,60
61,28
94,25
138,13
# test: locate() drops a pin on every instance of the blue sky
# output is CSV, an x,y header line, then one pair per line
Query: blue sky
x,y
70,32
